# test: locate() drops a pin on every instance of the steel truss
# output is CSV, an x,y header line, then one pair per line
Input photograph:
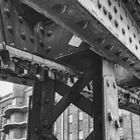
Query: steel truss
x,y
46,43
104,112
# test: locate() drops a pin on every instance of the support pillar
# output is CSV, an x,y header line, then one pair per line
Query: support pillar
x,y
42,103
105,105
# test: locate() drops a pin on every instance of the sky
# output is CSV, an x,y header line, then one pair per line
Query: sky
x,y
5,88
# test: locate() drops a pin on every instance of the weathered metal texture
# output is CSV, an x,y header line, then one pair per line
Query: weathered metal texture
x,y
133,7
35,34
105,104
110,97
129,101
54,41
72,95
82,102
125,79
17,30
43,102
107,26
44,113
22,67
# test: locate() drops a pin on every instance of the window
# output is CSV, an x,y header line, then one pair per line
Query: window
x,y
70,118
81,135
70,136
80,116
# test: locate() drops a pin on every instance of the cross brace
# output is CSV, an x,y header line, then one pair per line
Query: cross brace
x,y
104,90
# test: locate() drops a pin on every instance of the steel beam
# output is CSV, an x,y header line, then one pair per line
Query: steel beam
x,y
82,103
105,25
42,103
26,56
106,117
127,100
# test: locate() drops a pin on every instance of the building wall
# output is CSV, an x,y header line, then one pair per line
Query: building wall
x,y
131,126
4,103
73,124
14,113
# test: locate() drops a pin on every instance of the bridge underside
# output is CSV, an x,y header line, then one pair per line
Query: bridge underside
x,y
92,45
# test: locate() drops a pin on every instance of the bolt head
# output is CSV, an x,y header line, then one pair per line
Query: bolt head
x,y
41,43
110,117
7,11
41,30
23,36
20,19
48,49
117,124
10,29
32,39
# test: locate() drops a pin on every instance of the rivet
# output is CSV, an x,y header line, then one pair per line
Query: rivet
x,y
107,83
60,8
49,33
120,119
110,16
109,47
48,49
10,29
20,19
38,76
41,30
118,54
110,117
23,36
99,5
82,24
117,124
100,40
32,39
7,11
125,59
41,43
114,85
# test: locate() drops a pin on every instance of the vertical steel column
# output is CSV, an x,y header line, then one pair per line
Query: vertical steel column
x,y
105,105
42,103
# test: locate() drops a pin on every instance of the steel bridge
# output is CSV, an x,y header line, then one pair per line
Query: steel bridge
x,y
91,43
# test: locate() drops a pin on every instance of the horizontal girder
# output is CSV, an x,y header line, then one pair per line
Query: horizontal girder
x,y
105,25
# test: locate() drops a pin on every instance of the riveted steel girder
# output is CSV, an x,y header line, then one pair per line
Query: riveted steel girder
x,y
106,25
